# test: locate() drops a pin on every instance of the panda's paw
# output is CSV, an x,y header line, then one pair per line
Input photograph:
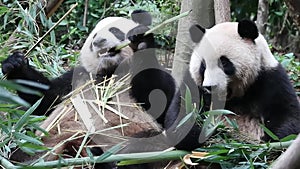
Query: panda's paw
x,y
141,41
137,34
136,39
14,62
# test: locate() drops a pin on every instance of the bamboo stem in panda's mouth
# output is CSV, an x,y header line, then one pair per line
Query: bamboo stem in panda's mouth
x,y
184,14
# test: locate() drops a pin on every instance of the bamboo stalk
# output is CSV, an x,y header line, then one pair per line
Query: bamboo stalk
x,y
148,156
278,145
168,21
51,29
158,26
135,158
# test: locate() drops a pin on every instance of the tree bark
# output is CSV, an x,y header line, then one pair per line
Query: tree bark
x,y
294,8
290,158
262,15
222,11
52,6
86,7
203,14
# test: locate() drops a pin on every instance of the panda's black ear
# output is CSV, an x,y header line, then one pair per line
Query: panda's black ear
x,y
141,17
196,33
248,29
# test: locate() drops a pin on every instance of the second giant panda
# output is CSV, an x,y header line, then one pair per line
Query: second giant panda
x,y
233,62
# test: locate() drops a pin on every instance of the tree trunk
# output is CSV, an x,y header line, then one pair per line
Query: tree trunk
x,y
294,8
294,12
222,11
86,7
52,6
203,14
262,15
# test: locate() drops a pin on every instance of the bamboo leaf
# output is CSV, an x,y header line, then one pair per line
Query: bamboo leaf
x,y
289,138
32,84
3,10
219,112
29,139
188,100
232,123
269,132
6,96
89,153
38,128
35,147
15,85
209,125
185,119
27,150
111,151
24,119
4,142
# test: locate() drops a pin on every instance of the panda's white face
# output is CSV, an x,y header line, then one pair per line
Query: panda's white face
x,y
227,62
108,33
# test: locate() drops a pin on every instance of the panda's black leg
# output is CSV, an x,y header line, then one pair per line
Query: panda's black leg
x,y
151,84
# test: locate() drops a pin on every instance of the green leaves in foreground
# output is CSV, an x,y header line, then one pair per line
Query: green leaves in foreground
x,y
211,123
8,97
237,155
17,131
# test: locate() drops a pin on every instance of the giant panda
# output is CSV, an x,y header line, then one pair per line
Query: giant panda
x,y
97,56
97,53
100,57
233,63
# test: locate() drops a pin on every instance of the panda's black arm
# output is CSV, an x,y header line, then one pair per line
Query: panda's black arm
x,y
16,66
151,84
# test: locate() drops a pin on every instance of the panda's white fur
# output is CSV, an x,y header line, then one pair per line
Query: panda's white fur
x,y
100,40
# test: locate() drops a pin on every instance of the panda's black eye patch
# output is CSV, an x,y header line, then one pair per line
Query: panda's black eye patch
x,y
227,66
118,33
